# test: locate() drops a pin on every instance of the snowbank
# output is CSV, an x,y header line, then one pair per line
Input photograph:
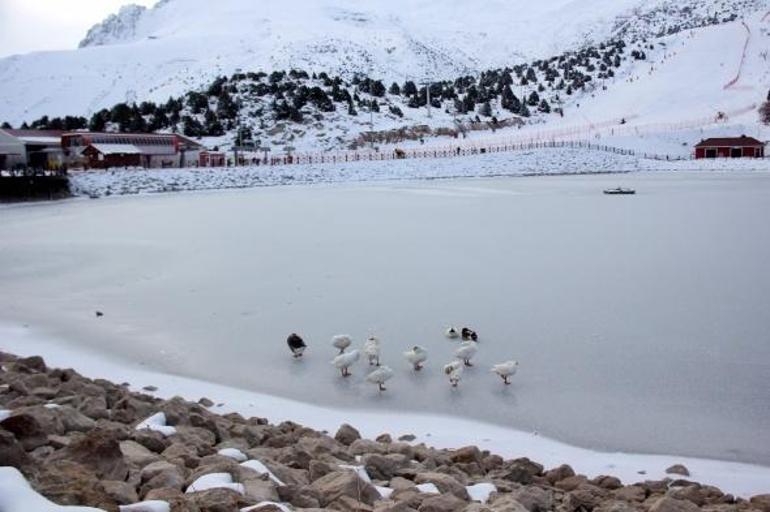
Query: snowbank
x,y
552,161
16,495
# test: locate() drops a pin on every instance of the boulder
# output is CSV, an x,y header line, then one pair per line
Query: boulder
x,y
344,483
318,469
217,500
12,452
26,429
150,439
161,475
559,473
58,420
445,484
35,363
348,504
382,467
607,482
302,497
137,455
761,502
384,438
505,503
260,489
534,499
571,483
122,492
99,451
69,483
442,503
585,498
466,455
631,493
365,446
175,498
678,469
668,504
347,434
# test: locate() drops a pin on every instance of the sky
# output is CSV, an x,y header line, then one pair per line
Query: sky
x,y
34,25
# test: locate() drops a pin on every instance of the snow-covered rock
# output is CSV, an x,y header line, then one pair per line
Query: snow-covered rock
x,y
17,495
260,468
157,422
215,481
147,506
234,454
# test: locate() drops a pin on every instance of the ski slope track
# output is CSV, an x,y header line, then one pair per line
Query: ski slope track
x,y
181,45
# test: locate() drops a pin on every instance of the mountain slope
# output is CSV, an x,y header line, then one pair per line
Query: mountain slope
x,y
181,45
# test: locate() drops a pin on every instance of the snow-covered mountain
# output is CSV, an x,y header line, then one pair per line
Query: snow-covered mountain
x,y
180,45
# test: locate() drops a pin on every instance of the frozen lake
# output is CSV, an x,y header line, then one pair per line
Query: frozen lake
x,y
641,323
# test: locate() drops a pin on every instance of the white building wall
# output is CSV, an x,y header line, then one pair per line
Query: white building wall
x,y
12,145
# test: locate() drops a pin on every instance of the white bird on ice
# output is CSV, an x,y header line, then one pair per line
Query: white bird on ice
x,y
506,370
343,362
341,342
416,357
452,333
380,376
466,351
455,372
372,350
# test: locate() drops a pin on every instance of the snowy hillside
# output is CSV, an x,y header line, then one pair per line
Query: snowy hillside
x,y
182,45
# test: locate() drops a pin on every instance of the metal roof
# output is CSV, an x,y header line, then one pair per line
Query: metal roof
x,y
730,142
116,149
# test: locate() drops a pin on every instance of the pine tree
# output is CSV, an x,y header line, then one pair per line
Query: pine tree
x,y
6,126
377,89
395,89
486,109
409,89
764,112
212,126
192,127
534,99
544,107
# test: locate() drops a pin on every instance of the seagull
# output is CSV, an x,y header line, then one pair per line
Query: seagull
x,y
469,334
344,361
455,372
341,341
452,333
506,370
372,350
416,357
380,376
296,345
466,351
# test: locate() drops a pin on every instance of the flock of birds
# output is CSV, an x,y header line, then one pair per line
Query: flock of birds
x,y
416,357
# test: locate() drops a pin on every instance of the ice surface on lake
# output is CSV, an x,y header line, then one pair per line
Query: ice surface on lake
x,y
640,323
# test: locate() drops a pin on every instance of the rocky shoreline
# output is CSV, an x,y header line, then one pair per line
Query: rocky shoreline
x,y
77,443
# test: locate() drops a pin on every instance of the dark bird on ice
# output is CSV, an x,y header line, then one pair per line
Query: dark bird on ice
x,y
296,345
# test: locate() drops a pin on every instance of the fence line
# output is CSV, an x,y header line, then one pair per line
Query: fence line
x,y
454,152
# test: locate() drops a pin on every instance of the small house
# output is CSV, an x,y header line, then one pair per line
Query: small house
x,y
103,156
730,147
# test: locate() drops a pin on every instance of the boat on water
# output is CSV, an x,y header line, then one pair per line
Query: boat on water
x,y
620,191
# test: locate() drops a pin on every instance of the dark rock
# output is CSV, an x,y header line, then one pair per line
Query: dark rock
x,y
382,467
585,498
217,500
571,483
205,402
12,452
302,497
347,434
68,483
35,363
26,429
607,482
667,504
559,473
407,438
384,438
631,493
333,486
442,503
761,502
466,455
445,484
122,493
678,469
534,499
98,451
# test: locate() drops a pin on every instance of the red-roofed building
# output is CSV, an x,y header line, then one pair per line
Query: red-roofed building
x,y
102,150
730,147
